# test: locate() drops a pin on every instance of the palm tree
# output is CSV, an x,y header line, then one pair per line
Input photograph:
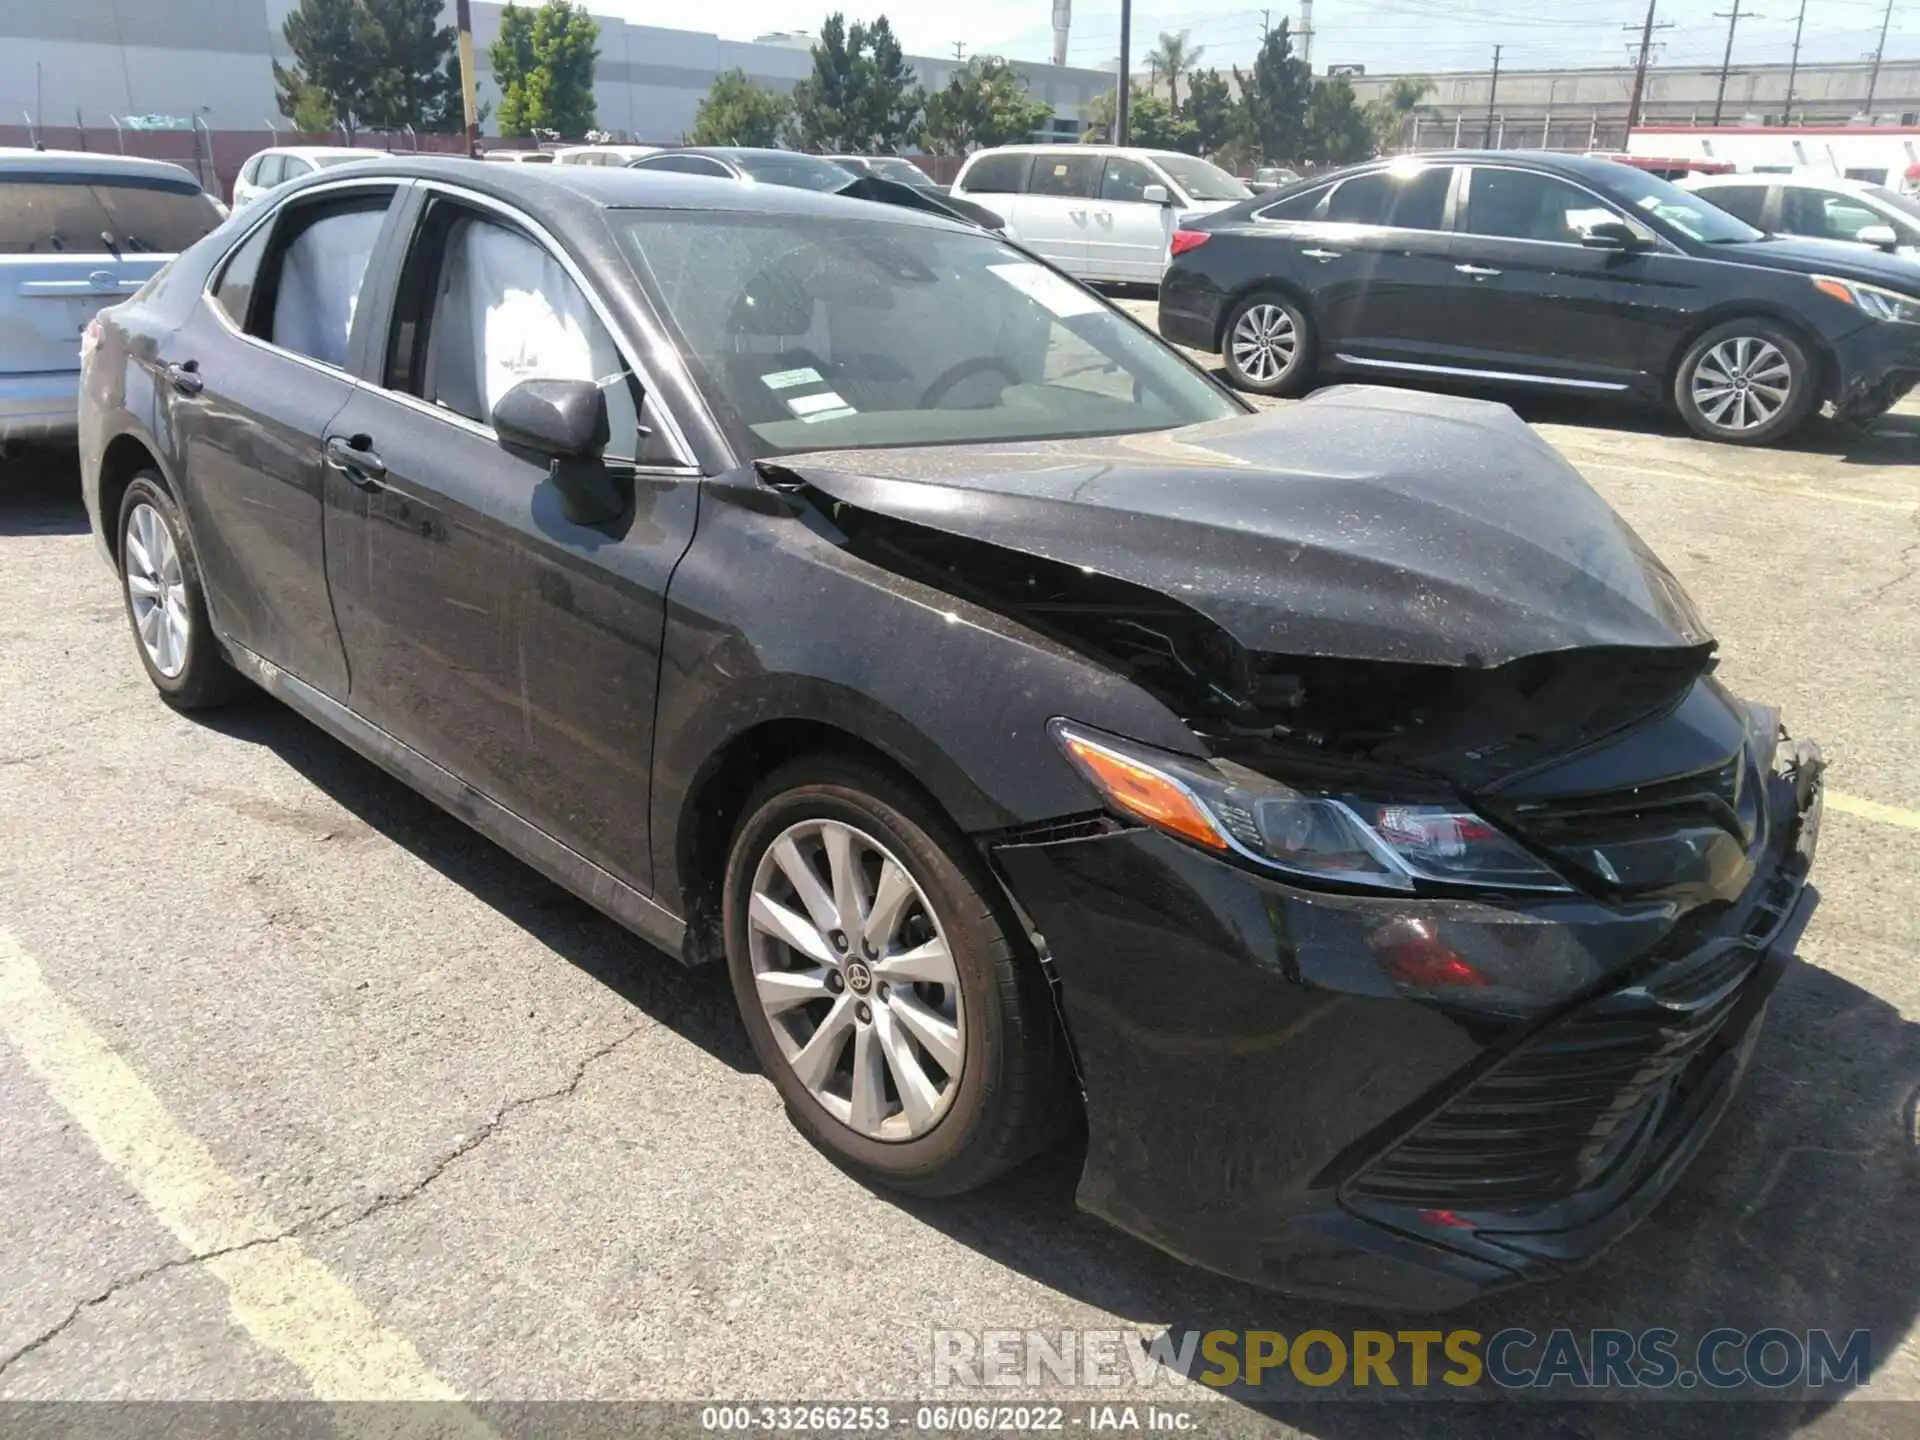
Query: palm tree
x,y
1175,57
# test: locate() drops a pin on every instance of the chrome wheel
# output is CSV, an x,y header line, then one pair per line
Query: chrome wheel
x,y
157,590
1264,343
1741,383
856,980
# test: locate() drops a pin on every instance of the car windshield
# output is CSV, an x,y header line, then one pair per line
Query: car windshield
x,y
1201,179
93,214
821,333
1894,200
801,172
1694,216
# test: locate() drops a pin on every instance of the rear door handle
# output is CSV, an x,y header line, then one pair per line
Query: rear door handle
x,y
1076,215
1321,254
1479,272
185,377
354,457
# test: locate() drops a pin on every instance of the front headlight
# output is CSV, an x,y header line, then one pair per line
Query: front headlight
x,y
1880,304
1317,834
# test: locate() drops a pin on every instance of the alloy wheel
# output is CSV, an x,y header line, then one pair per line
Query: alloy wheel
x,y
157,590
1742,383
1264,342
856,980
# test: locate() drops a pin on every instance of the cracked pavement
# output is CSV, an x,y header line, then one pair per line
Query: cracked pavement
x,y
540,1152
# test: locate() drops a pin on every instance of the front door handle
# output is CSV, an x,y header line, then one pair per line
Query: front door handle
x,y
354,457
1479,272
1080,215
1321,254
185,377
1105,217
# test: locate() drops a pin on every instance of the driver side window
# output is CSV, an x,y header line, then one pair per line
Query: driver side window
x,y
484,307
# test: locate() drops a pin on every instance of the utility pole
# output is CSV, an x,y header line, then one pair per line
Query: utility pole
x,y
1793,70
1123,103
1266,24
469,97
1493,91
1733,17
960,51
1306,34
1873,80
1640,66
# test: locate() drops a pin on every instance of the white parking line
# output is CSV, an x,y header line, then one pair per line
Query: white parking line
x,y
1873,810
283,1297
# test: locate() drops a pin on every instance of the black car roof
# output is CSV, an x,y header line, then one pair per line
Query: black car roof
x,y
552,192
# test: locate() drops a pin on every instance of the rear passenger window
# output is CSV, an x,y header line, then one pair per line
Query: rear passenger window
x,y
1404,202
1074,176
1303,206
1126,179
310,285
997,175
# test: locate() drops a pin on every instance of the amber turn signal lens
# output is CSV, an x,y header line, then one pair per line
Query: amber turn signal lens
x,y
1837,289
1144,792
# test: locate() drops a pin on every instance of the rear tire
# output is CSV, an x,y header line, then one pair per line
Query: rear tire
x,y
963,1061
166,604
1267,344
1747,382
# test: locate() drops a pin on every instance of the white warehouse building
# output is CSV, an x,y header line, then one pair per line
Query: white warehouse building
x,y
91,62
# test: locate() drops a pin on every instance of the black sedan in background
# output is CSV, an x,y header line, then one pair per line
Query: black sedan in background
x,y
1338,805
1550,272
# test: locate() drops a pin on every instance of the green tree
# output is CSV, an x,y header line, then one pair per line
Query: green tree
x,y
327,81
1387,115
889,99
735,111
824,103
1272,119
1338,132
543,64
1210,107
984,102
1175,56
862,94
415,77
1151,123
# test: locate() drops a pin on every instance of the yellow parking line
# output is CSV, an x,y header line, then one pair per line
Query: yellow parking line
x,y
280,1294
1873,810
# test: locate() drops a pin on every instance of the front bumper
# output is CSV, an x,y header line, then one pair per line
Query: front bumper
x,y
40,405
1875,367
1268,1096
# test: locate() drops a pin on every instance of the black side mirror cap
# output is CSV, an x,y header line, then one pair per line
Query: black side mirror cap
x,y
1613,235
553,419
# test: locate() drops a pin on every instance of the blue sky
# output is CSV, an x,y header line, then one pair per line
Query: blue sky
x,y
1380,34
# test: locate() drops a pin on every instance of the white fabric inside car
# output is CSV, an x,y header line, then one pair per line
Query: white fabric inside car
x,y
320,279
508,311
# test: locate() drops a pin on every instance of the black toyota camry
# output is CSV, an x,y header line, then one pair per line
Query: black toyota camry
x,y
1549,273
1337,807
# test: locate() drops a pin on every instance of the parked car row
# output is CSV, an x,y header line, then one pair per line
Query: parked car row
x,y
1548,272
1031,727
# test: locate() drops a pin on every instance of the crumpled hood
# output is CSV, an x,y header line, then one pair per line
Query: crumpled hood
x,y
1364,523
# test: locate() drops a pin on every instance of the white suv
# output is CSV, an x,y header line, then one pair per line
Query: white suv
x,y
1818,207
1097,211
283,163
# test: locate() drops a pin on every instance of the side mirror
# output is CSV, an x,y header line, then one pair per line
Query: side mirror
x,y
1881,237
553,419
1612,235
1156,195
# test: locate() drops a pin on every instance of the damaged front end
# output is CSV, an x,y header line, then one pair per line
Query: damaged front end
x,y
1430,965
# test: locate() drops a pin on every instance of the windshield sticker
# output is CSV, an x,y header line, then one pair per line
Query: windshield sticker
x,y
787,379
1040,284
827,405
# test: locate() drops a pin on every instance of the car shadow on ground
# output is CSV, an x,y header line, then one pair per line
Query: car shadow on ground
x,y
40,492
695,1002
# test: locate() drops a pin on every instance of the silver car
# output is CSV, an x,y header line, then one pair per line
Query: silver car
x,y
78,232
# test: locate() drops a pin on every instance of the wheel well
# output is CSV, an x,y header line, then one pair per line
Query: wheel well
x,y
1265,282
125,458
1816,348
719,794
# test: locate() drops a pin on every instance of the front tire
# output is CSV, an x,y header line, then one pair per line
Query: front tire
x,y
1747,382
166,604
1267,344
872,963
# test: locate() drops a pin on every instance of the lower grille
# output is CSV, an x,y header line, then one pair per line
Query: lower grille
x,y
1576,1103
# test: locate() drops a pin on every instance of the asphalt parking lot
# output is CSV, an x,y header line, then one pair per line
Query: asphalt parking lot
x,y
308,1092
